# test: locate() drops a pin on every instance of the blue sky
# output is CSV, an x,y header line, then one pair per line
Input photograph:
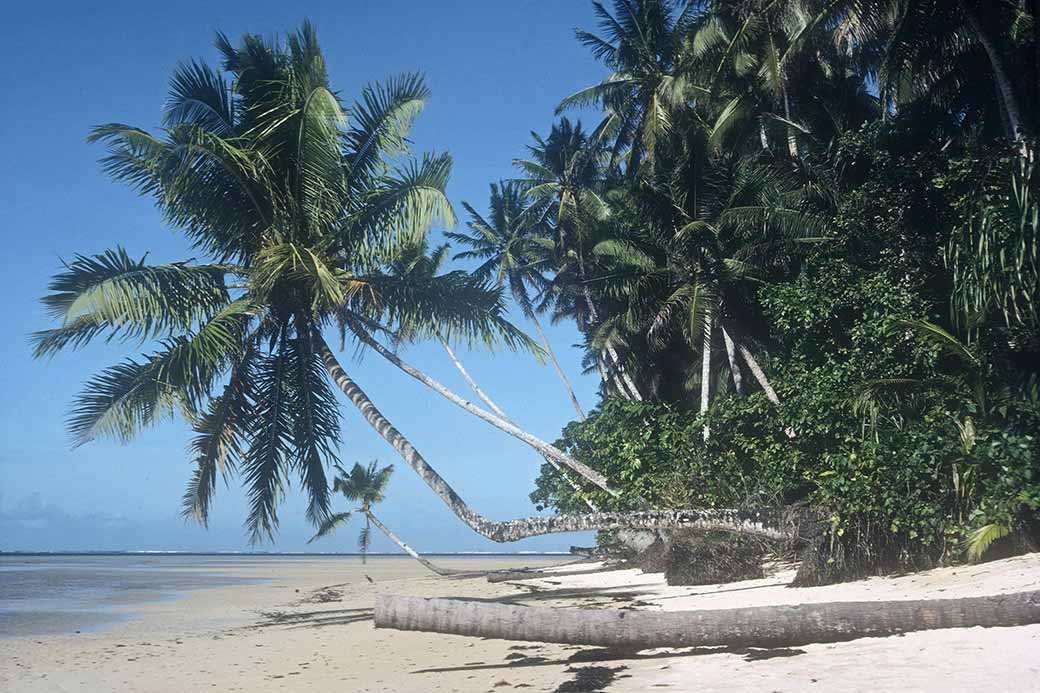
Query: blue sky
x,y
497,70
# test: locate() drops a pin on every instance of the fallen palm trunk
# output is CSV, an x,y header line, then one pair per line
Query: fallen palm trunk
x,y
760,626
778,523
532,574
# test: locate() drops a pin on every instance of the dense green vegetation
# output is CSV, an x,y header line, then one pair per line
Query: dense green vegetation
x,y
798,238
845,189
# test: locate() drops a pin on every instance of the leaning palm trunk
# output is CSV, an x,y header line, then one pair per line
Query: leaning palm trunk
x,y
498,410
772,524
753,366
1004,84
483,396
556,365
497,421
734,367
759,626
629,389
408,549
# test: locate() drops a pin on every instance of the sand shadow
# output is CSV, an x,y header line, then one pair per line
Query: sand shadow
x,y
607,654
313,619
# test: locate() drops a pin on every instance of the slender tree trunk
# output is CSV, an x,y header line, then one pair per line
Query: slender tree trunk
x,y
792,139
996,61
409,550
759,374
758,626
753,366
472,383
630,385
498,422
706,372
556,365
734,367
776,523
364,547
495,408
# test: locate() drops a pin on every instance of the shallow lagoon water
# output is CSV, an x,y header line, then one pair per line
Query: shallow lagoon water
x,y
66,593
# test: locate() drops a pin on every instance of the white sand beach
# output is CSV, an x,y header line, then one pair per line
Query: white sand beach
x,y
309,628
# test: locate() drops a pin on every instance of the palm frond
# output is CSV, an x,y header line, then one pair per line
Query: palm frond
x,y
330,525
111,292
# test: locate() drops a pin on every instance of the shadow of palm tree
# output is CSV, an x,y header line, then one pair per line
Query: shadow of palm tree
x,y
605,654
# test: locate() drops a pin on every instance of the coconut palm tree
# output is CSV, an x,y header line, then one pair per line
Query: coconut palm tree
x,y
642,42
365,486
298,213
689,273
564,174
507,242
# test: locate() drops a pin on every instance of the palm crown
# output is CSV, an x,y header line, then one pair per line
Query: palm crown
x,y
301,206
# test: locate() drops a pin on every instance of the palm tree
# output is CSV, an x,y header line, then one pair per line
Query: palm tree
x,y
507,243
564,176
298,214
689,271
365,486
642,42
959,57
419,266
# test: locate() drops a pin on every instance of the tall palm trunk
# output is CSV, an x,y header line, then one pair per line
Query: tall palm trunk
x,y
408,549
364,547
772,523
792,139
756,626
556,365
996,61
706,372
495,408
497,421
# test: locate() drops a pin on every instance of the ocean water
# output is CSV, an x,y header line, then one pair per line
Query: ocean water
x,y
80,593
67,593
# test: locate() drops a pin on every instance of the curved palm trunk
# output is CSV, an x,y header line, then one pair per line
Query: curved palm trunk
x,y
498,422
408,549
556,366
495,408
758,626
773,524
792,139
1004,84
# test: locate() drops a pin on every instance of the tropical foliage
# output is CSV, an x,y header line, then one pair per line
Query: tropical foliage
x,y
798,240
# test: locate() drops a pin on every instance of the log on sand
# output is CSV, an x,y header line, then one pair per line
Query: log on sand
x,y
760,626
535,574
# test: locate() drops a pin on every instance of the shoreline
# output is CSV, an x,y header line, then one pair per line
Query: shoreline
x,y
309,627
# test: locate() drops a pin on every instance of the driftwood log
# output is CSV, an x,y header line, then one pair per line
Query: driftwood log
x,y
760,626
531,574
